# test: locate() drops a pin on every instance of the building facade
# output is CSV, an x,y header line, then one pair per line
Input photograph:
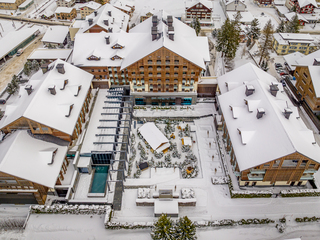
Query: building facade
x,y
88,8
64,13
285,43
65,3
233,5
302,6
10,4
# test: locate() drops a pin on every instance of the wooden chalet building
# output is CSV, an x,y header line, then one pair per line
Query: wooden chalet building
x,y
302,6
268,142
65,13
38,127
125,6
200,9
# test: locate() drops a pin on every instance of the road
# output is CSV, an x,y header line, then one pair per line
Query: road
x,y
41,21
15,64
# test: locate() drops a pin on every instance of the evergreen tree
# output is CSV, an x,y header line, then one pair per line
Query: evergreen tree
x,y
228,39
196,25
255,29
13,86
215,33
27,68
185,229
35,65
266,42
281,27
163,228
293,25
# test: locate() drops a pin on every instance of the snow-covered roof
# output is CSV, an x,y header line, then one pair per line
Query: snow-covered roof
x,y
258,141
52,110
44,53
186,44
187,141
34,160
25,3
122,5
64,10
290,15
303,3
292,58
175,8
117,21
308,60
152,135
315,75
15,38
227,2
55,34
286,38
283,10
207,4
93,5
246,17
8,1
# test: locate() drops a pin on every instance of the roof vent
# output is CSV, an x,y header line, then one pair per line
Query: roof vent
x,y
274,89
260,112
52,89
90,21
249,90
70,109
287,112
109,13
44,67
65,82
95,13
316,62
107,40
29,89
78,91
60,68
106,22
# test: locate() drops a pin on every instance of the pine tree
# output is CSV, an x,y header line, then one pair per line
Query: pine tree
x,y
35,65
27,68
293,25
255,29
196,25
185,229
281,27
228,39
13,86
266,42
163,228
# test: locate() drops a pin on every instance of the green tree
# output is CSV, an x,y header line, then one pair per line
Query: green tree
x,y
13,86
292,26
35,65
253,32
281,27
163,228
266,42
185,229
27,68
196,25
228,39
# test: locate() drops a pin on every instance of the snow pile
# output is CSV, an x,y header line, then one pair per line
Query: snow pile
x,y
126,225
251,194
187,193
300,193
219,180
108,215
69,209
144,192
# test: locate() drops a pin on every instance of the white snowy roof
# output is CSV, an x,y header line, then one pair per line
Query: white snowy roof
x,y
7,1
91,140
88,44
207,4
315,75
25,3
283,10
117,21
290,15
227,2
31,159
45,53
308,60
122,5
186,44
152,135
48,109
13,39
93,5
303,3
246,17
175,8
63,10
286,38
55,34
258,141
292,58
187,141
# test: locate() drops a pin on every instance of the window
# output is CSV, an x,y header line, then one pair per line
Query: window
x,y
305,75
310,90
158,61
92,70
149,61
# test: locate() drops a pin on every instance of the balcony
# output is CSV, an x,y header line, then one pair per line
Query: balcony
x,y
255,177
310,171
257,171
307,177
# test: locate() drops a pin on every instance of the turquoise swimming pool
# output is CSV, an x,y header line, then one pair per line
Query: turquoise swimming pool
x,y
99,179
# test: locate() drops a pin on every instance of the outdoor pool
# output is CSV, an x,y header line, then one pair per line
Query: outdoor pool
x,y
99,179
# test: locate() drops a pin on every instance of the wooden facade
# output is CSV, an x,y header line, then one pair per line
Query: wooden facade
x,y
163,71
67,16
305,9
199,11
294,169
305,88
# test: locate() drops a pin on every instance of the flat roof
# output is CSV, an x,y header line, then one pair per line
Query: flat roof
x,y
45,53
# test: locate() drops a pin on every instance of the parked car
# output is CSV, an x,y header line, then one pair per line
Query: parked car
x,y
278,65
20,51
283,83
3,101
283,73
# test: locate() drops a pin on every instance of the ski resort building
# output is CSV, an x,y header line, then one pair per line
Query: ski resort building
x,y
200,9
268,142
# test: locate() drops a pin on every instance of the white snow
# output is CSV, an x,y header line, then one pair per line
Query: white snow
x,y
55,34
49,54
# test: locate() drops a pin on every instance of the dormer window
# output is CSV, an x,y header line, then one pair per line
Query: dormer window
x,y
116,57
95,58
117,46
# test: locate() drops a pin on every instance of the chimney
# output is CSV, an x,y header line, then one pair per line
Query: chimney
x,y
316,62
90,21
154,21
122,25
107,40
44,67
52,89
112,20
70,109
106,22
274,89
110,30
95,13
169,21
29,89
60,68
79,88
249,90
109,13
260,112
65,82
287,112
171,36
